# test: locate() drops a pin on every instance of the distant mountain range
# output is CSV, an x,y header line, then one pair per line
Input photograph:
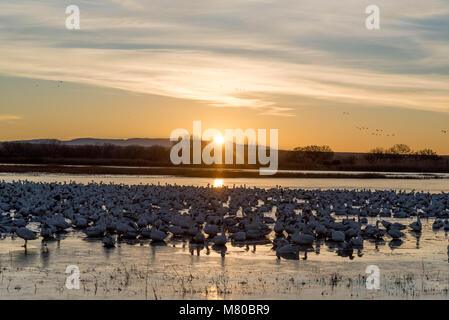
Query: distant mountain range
x,y
144,142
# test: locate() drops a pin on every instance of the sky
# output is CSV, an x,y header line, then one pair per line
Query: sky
x,y
309,68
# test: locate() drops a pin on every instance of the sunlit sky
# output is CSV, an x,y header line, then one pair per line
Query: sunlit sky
x,y
309,68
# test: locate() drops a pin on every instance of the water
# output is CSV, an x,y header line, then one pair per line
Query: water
x,y
418,268
420,184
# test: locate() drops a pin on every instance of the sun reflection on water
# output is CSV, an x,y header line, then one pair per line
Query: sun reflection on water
x,y
218,183
212,293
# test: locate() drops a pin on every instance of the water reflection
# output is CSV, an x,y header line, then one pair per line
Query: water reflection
x,y
417,236
374,247
221,249
194,247
212,293
218,183
425,243
395,243
346,252
430,185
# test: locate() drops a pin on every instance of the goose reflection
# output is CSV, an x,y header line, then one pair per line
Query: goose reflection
x,y
395,243
221,249
319,242
417,236
154,243
196,247
346,253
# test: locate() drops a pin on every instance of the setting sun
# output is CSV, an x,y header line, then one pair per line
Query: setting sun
x,y
218,139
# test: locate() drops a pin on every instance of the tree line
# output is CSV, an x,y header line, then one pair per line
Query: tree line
x,y
399,157
32,151
401,151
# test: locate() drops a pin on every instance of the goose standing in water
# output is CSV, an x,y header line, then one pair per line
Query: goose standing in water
x,y
416,226
220,240
446,224
338,236
108,241
157,235
356,242
239,236
302,238
437,224
395,233
199,238
288,251
26,234
47,232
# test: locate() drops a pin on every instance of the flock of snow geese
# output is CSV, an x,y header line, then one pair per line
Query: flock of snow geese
x,y
293,220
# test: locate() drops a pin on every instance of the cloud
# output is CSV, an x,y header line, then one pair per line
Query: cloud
x,y
238,54
130,4
9,117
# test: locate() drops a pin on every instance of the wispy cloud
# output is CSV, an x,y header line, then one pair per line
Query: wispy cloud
x,y
9,117
238,54
129,4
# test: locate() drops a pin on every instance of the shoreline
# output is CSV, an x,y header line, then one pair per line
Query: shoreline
x,y
203,173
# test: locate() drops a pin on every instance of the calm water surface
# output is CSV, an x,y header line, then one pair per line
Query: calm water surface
x,y
428,185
